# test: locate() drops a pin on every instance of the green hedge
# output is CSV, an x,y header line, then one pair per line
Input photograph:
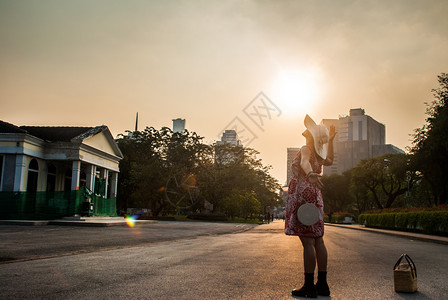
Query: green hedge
x,y
433,222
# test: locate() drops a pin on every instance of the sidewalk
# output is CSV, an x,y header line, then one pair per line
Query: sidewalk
x,y
404,234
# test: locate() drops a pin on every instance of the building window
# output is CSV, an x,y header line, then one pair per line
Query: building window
x,y
33,176
51,178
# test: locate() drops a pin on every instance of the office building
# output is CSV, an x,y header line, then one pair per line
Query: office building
x,y
228,149
178,125
358,137
291,154
229,137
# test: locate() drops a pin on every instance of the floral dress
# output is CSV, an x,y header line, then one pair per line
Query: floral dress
x,y
301,191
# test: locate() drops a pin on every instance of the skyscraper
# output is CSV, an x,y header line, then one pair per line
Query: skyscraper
x,y
291,154
178,125
229,137
358,137
228,149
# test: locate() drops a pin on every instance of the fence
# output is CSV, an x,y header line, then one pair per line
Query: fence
x,y
52,205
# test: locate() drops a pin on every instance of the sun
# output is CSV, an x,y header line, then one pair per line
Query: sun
x,y
296,91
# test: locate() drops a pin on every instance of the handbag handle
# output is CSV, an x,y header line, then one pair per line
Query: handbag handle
x,y
410,263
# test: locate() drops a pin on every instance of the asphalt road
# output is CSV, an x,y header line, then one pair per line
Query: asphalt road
x,y
261,263
31,242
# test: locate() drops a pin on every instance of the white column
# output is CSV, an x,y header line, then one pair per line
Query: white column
x,y
19,175
90,180
44,176
105,174
76,172
113,185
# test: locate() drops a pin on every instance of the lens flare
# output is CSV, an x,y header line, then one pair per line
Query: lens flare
x,y
130,220
189,181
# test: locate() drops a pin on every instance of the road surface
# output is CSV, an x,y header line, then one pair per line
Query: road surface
x,y
260,263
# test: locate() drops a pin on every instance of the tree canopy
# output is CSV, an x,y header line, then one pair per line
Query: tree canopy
x,y
169,171
430,143
336,192
385,177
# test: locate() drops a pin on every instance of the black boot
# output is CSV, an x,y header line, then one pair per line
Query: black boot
x,y
308,290
322,285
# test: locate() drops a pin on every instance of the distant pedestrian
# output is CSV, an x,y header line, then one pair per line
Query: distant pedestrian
x,y
305,187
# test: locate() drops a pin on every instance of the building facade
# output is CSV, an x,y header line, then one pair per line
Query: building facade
x,y
358,137
39,160
291,154
229,137
229,148
178,125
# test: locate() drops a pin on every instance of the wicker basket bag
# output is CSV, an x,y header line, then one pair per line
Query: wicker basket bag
x,y
405,275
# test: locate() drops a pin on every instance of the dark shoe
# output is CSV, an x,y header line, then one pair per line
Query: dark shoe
x,y
322,289
305,291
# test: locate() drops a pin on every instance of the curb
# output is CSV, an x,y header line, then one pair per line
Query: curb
x,y
408,235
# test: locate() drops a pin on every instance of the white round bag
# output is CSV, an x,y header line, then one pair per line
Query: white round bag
x,y
308,214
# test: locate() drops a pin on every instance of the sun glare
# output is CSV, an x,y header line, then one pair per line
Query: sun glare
x,y
296,91
130,220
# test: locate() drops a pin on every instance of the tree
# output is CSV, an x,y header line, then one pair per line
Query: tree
x,y
430,143
360,195
336,192
250,206
238,168
157,162
185,158
168,171
385,177
241,203
367,173
141,171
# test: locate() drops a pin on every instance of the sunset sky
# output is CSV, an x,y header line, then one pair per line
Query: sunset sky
x,y
94,62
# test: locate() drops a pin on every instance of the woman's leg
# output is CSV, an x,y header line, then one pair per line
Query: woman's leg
x,y
309,260
309,254
321,254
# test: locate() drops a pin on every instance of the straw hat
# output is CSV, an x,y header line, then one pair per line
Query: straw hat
x,y
320,134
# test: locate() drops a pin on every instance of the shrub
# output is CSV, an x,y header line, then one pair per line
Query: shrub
x,y
428,221
401,221
434,221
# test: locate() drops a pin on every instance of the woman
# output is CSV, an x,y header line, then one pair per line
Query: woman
x,y
305,187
